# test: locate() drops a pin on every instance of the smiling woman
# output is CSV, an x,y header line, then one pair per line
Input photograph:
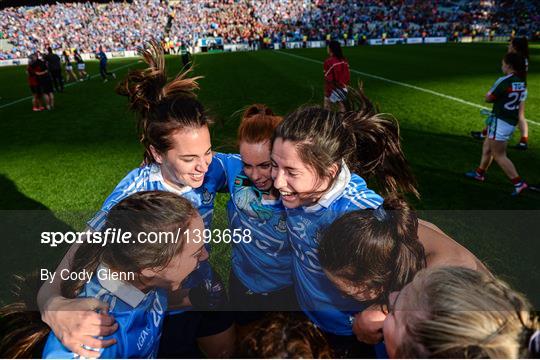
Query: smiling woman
x,y
173,128
315,155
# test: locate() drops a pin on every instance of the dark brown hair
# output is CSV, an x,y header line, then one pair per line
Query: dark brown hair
x,y
517,63
374,249
162,107
335,48
142,212
145,212
521,45
367,141
258,124
282,336
21,328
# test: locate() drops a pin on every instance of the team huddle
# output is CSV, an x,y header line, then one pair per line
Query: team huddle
x,y
332,268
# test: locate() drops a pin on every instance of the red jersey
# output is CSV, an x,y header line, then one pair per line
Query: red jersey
x,y
32,77
336,74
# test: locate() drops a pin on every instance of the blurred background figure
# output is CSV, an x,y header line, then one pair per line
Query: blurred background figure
x,y
55,69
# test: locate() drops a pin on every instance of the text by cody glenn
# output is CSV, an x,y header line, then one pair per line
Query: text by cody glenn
x,y
118,236
85,275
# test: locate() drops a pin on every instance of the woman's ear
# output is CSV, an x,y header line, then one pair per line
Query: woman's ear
x,y
148,273
334,168
156,155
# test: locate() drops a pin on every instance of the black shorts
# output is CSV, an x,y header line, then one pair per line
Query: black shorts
x,y
46,84
247,306
181,331
36,90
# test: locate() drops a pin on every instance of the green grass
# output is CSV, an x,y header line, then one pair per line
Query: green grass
x,y
62,164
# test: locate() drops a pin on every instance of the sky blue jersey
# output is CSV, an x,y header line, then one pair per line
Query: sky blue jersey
x,y
148,178
325,305
264,264
139,317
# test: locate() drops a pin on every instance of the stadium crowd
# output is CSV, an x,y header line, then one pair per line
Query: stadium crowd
x,y
124,26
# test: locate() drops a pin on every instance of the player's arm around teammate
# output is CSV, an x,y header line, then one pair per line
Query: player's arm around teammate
x,y
131,280
312,154
178,157
385,248
260,279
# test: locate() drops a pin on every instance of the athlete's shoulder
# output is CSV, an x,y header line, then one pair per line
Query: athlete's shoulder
x,y
139,179
223,167
503,80
359,195
136,180
226,160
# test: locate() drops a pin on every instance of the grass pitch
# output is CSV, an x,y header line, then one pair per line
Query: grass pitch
x,y
56,168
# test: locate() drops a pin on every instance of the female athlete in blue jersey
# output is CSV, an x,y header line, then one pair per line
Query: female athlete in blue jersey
x,y
386,248
178,158
132,280
261,273
318,158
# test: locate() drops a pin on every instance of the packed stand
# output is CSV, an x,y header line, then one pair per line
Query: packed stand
x,y
124,26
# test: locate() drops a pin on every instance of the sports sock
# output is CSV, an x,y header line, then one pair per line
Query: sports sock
x,y
517,181
524,139
480,171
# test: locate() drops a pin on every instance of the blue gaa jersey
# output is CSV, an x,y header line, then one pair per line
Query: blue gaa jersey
x,y
139,317
325,305
148,178
263,264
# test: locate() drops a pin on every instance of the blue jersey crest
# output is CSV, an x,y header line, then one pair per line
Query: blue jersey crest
x,y
263,264
148,178
318,297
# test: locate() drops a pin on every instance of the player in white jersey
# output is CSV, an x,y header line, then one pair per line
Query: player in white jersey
x,y
318,158
178,158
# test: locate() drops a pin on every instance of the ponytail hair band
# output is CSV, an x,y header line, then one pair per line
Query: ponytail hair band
x,y
380,214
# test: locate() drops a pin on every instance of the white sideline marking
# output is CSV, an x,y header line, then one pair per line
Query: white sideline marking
x,y
66,85
403,84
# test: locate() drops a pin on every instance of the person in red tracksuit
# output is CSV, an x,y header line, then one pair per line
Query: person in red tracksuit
x,y
33,82
336,77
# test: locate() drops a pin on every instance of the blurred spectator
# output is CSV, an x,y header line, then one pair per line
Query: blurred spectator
x,y
125,26
55,69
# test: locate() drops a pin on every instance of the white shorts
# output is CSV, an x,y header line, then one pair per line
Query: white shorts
x,y
338,95
69,67
499,129
81,66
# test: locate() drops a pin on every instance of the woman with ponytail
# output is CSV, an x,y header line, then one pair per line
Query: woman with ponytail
x,y
260,278
174,130
321,161
368,254
455,312
132,279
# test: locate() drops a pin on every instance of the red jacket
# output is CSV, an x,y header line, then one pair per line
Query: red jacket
x,y
32,76
336,74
